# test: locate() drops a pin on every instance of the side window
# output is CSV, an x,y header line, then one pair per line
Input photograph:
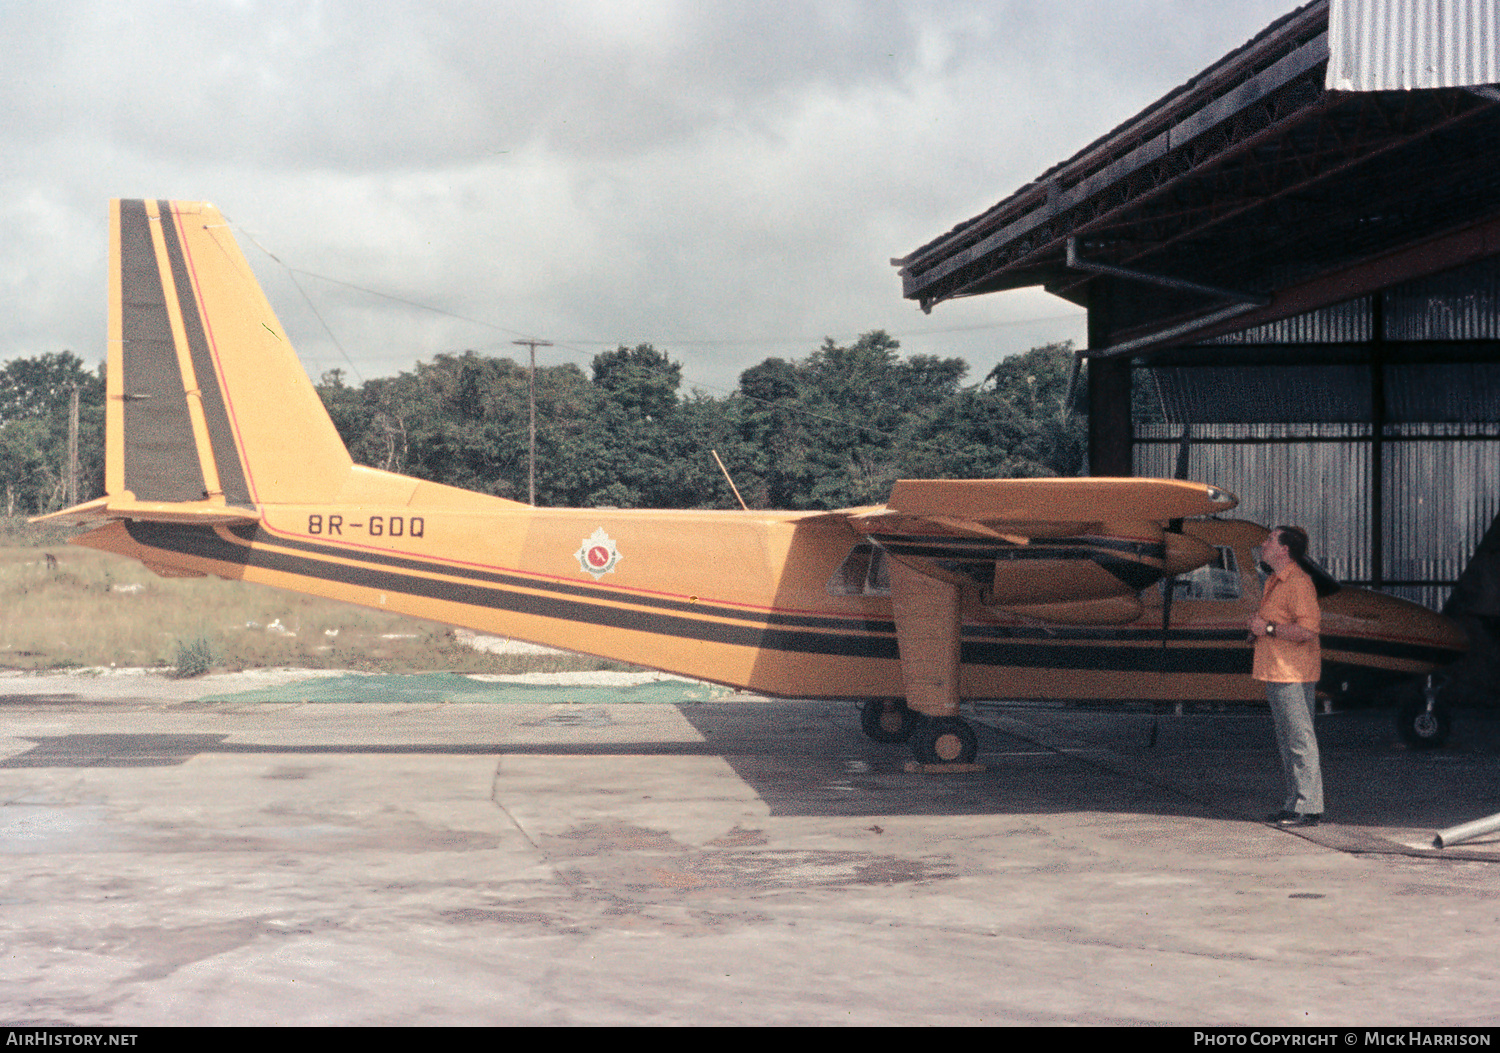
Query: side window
x,y
1219,579
863,573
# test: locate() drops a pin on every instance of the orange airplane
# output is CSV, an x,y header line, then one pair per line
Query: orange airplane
x,y
222,460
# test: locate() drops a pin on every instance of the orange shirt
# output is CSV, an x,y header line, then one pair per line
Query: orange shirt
x,y
1289,598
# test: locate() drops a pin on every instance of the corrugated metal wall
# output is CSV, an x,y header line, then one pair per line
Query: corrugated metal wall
x,y
1392,45
1441,496
1298,442
1320,482
1459,305
1341,323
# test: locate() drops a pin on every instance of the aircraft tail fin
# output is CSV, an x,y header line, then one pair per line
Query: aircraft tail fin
x,y
209,412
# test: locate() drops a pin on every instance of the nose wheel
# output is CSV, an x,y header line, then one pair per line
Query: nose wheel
x,y
1424,723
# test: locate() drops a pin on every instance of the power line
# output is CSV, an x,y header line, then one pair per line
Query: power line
x,y
574,345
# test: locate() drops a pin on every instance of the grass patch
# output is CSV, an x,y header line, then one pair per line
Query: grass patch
x,y
62,606
16,532
195,657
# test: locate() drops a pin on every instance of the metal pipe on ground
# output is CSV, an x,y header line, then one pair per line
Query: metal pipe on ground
x,y
1466,831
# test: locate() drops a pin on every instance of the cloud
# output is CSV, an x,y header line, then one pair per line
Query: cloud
x,y
726,180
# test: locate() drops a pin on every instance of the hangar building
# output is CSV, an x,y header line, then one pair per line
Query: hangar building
x,y
1291,266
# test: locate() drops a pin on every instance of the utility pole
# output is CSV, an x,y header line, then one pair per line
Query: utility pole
x,y
531,398
72,495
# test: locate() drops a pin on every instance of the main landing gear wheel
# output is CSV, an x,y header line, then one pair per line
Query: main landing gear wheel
x,y
887,720
945,740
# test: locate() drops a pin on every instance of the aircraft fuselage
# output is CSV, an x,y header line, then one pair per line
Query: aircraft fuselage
x,y
779,603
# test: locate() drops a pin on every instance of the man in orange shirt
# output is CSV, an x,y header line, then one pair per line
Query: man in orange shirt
x,y
1288,659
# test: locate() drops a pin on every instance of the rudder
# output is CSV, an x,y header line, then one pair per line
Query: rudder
x,y
207,399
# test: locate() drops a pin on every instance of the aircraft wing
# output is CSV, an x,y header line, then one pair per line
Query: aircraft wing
x,y
1074,548
1059,499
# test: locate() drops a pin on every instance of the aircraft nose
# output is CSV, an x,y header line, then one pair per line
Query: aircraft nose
x,y
1400,622
1431,628
1447,632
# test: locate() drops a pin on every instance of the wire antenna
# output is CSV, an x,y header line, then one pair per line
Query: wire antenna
x,y
730,480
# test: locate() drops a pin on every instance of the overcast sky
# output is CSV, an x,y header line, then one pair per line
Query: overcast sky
x,y
725,180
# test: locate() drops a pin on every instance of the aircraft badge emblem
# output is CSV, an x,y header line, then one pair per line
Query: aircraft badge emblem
x,y
598,554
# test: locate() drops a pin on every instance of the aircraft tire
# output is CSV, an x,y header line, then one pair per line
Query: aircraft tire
x,y
1420,729
887,722
945,740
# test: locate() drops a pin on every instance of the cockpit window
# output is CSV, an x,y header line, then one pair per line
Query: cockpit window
x,y
1219,579
863,573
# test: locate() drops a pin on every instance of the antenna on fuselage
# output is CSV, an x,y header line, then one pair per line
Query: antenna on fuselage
x,y
730,481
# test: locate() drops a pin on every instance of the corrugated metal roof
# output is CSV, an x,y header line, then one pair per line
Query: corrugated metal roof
x,y
1395,45
1255,177
1211,96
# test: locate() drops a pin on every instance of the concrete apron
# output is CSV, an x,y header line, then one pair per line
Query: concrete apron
x,y
166,860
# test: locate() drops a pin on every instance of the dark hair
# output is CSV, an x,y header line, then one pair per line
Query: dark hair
x,y
1295,540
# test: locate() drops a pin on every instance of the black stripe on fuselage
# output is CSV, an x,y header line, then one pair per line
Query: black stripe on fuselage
x,y
160,455
1406,652
215,413
257,535
1096,648
1228,639
204,543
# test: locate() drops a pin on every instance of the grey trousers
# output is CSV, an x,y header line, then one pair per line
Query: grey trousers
x,y
1292,709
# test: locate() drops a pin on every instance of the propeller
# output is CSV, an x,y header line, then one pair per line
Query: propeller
x,y
1174,526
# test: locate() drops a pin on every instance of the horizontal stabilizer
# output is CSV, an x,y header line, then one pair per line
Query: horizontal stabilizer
x,y
104,509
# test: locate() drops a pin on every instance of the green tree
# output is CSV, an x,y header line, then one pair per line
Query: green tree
x,y
640,380
1015,423
829,429
1036,381
462,419
775,434
636,433
34,407
832,430
346,406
